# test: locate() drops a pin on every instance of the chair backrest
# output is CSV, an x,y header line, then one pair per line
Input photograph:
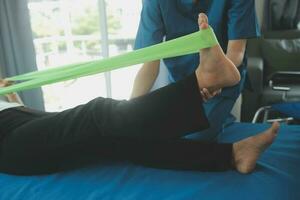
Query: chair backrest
x,y
279,45
281,51
282,15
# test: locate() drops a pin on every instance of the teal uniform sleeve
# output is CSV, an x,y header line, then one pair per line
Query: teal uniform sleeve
x,y
242,20
151,28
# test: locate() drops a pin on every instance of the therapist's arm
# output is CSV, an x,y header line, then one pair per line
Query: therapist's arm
x,y
145,78
236,51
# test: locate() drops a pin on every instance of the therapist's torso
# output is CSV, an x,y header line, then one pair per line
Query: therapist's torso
x,y
230,19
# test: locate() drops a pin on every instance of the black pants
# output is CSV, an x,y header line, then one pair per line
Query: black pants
x,y
146,130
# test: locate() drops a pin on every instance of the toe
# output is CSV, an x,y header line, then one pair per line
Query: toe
x,y
204,17
202,21
275,127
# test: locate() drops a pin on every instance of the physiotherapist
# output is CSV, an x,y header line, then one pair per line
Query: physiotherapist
x,y
234,21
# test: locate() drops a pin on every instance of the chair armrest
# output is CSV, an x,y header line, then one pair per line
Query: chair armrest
x,y
285,77
255,71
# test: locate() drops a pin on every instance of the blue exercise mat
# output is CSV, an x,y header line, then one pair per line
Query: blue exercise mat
x,y
277,177
289,109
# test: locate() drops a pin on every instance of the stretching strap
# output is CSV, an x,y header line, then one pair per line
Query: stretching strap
x,y
188,44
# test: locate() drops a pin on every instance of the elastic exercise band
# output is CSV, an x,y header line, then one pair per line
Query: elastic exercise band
x,y
188,44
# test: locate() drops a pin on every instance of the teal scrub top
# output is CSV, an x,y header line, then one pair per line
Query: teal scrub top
x,y
169,19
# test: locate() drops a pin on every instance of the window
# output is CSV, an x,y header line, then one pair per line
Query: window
x,y
71,31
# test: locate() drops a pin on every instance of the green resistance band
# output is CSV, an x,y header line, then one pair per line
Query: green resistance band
x,y
188,44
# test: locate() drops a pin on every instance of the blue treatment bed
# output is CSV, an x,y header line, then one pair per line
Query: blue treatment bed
x,y
277,177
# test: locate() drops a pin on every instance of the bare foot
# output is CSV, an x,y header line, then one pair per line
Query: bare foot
x,y
246,152
215,71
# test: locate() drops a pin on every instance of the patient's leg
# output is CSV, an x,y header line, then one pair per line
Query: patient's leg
x,y
217,71
186,154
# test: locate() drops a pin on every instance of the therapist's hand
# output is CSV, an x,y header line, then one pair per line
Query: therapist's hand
x,y
5,83
206,94
12,97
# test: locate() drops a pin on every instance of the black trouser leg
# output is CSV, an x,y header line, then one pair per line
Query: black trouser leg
x,y
181,154
103,127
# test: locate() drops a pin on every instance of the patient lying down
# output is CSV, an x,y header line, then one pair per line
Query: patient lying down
x,y
147,130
